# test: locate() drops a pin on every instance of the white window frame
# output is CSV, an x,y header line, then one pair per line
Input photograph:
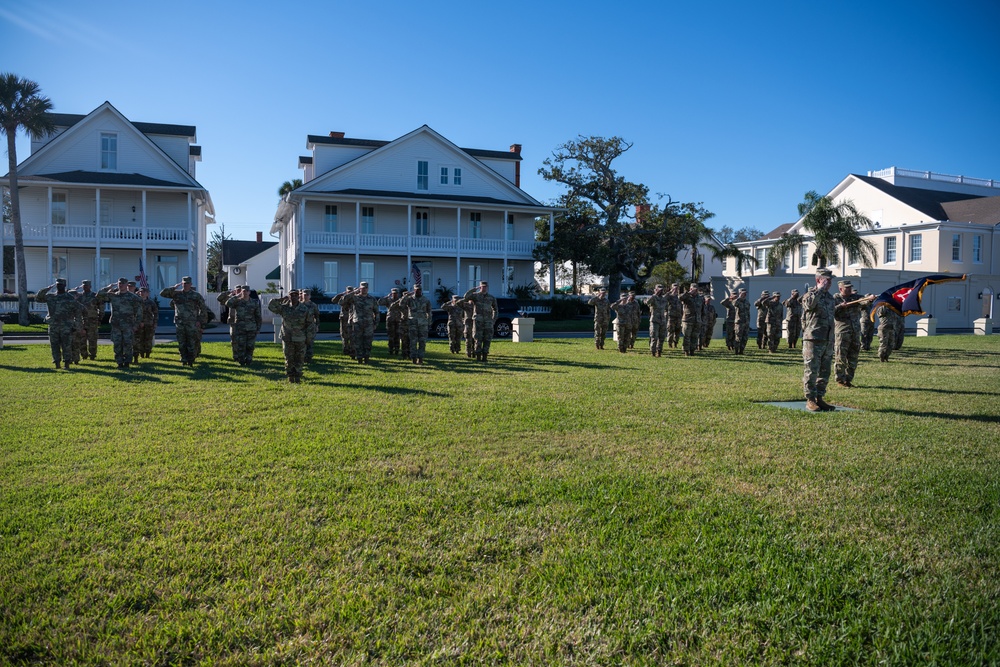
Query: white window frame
x,y
760,254
421,222
423,175
104,271
64,208
916,251
475,225
977,249
60,266
444,175
475,274
786,261
889,250
331,277
456,176
367,219
109,151
368,275
803,256
330,219
956,248
509,228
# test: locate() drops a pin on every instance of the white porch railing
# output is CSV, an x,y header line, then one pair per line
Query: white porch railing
x,y
88,233
418,244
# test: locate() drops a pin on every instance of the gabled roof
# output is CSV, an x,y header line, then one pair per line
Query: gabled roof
x,y
378,143
776,232
71,119
237,252
387,194
105,178
929,202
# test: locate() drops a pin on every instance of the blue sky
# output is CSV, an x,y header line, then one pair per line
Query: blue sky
x,y
742,106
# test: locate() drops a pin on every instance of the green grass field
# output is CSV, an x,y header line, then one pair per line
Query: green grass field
x,y
558,506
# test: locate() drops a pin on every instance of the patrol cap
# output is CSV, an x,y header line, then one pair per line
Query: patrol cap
x,y
658,286
131,283
795,291
123,280
60,282
395,289
85,283
674,285
825,272
845,283
363,283
776,294
186,279
483,282
765,293
743,290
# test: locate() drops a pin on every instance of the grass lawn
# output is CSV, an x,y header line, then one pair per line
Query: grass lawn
x,y
558,506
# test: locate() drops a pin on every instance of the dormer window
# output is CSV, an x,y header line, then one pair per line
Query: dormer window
x,y
109,151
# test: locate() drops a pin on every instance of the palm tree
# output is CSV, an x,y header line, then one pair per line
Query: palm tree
x,y
833,226
21,108
743,259
288,186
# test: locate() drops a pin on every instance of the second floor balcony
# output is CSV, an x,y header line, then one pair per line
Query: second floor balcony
x,y
425,245
110,236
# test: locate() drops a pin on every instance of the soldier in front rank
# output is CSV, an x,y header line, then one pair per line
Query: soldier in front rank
x,y
657,305
602,317
729,324
190,318
63,310
79,331
817,341
846,313
636,315
793,319
691,302
364,319
93,309
899,324
674,314
709,315
313,328
867,327
393,315
886,330
146,334
417,308
484,312
624,308
761,305
126,315
742,323
469,327
294,320
246,322
456,323
775,314
346,334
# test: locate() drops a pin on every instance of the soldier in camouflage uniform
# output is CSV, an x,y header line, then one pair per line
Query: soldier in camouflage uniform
x,y
294,320
146,335
484,312
793,304
674,314
691,301
761,305
456,323
846,314
817,341
63,311
742,322
625,308
657,305
93,309
245,315
867,327
775,314
313,325
417,308
79,331
346,318
602,317
364,319
190,317
469,327
886,330
899,323
729,324
126,316
709,315
393,315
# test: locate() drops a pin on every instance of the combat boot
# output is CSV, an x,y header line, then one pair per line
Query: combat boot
x,y
812,405
57,364
824,406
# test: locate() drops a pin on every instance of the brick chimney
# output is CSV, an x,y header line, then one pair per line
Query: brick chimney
x,y
516,149
336,135
260,237
640,209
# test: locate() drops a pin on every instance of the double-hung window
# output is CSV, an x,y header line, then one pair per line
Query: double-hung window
x,y
890,250
367,219
475,225
916,247
977,249
423,175
109,151
330,219
956,247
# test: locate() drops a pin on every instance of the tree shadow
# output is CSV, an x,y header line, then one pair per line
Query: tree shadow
x,y
986,419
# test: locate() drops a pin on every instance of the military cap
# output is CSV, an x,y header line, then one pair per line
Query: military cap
x,y
765,293
826,273
86,283
795,291
61,282
743,290
132,283
186,279
123,280
776,293
395,289
845,283
658,286
363,283
483,282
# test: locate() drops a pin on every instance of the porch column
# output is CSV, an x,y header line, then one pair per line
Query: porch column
x,y
48,214
145,259
409,249
97,238
552,263
458,251
503,235
357,239
299,265
190,245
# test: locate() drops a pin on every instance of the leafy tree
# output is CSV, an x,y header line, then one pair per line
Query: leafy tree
x,y
833,226
22,107
216,276
575,240
743,259
667,273
727,234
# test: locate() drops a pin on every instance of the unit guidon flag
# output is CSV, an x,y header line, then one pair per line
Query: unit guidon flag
x,y
905,298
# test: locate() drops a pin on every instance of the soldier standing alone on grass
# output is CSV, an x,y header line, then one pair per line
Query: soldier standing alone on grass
x,y
63,311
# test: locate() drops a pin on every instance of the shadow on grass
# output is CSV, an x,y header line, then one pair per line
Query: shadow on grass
x,y
949,392
988,419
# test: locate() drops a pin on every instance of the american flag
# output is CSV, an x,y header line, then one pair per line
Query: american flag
x,y
418,277
143,282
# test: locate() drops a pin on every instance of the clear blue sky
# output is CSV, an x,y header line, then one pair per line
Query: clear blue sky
x,y
743,106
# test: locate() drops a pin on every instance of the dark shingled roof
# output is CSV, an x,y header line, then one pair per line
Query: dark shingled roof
x,y
929,202
106,178
981,210
777,231
71,119
375,143
237,252
355,192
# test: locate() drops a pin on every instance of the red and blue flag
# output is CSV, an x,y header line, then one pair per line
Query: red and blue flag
x,y
905,298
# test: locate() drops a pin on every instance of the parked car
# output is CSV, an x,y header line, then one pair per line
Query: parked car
x,y
507,310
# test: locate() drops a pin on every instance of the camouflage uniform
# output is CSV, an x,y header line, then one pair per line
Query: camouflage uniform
x,y
848,336
886,330
246,315
63,311
294,320
346,332
146,335
79,332
867,327
817,342
657,305
393,316
899,322
775,314
470,327
602,318
625,310
364,318
456,322
126,315
761,306
93,309
794,318
709,315
742,321
312,328
691,321
484,312
190,315
729,324
674,314
418,316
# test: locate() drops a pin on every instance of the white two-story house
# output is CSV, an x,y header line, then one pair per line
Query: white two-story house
x,y
417,207
102,194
